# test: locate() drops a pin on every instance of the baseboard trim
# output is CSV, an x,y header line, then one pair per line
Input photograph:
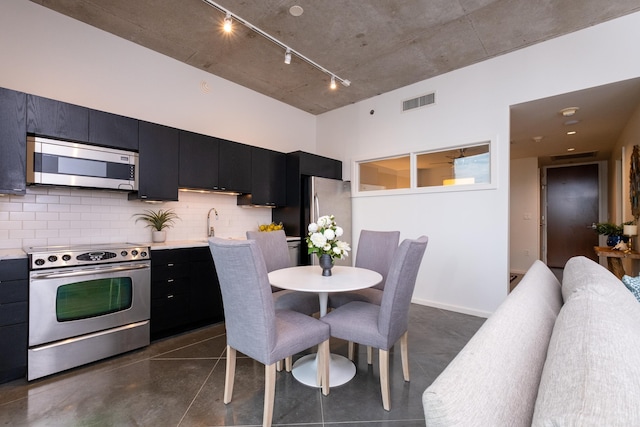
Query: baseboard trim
x,y
456,308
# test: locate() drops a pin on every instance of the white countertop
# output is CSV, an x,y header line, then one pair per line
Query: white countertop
x,y
12,254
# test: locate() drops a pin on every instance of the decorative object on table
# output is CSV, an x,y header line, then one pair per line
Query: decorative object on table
x,y
630,230
612,231
323,240
158,221
270,227
621,246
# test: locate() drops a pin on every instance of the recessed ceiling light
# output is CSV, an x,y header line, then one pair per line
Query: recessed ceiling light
x,y
569,111
571,132
296,10
571,122
571,149
537,138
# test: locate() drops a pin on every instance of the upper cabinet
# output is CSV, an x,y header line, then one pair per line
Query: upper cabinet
x,y
198,161
234,172
13,142
112,130
158,167
268,178
56,119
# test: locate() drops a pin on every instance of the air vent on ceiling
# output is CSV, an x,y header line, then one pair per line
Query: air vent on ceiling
x,y
574,156
421,101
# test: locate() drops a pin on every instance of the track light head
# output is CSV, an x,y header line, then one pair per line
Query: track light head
x,y
346,83
287,57
227,23
333,82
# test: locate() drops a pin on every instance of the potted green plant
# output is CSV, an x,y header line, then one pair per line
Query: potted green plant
x,y
158,221
613,232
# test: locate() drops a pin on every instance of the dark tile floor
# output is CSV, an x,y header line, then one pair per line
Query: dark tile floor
x,y
179,381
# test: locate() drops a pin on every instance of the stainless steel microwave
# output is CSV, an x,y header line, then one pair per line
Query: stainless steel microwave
x,y
58,162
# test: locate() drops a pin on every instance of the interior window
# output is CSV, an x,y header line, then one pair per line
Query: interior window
x,y
460,166
385,174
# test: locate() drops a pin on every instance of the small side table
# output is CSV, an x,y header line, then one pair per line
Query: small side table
x,y
614,259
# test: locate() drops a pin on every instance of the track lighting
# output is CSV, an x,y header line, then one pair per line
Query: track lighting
x,y
227,23
288,51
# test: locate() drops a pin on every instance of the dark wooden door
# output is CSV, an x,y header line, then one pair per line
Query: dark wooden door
x,y
572,206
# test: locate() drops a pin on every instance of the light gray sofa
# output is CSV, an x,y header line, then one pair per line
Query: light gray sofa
x,y
550,355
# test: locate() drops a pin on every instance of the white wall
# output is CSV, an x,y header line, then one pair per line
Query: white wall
x,y
524,210
466,265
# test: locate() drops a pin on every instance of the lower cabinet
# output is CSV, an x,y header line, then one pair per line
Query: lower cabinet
x,y
14,318
185,292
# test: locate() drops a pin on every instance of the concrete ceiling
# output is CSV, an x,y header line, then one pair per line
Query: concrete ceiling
x,y
379,46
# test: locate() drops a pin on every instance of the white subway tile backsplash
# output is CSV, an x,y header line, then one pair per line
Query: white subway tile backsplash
x,y
61,216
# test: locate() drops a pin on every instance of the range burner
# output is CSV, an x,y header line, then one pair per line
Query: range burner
x,y
77,255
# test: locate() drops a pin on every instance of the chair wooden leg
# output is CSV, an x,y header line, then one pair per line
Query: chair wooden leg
x,y
369,355
269,393
323,367
384,378
279,366
288,362
351,350
404,352
230,373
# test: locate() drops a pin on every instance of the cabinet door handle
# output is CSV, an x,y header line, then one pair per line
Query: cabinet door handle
x,y
169,296
170,281
170,264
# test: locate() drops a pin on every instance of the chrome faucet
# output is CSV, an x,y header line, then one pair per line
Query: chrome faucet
x,y
210,230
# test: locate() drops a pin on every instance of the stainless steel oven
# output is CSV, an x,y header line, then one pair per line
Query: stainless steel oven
x,y
86,303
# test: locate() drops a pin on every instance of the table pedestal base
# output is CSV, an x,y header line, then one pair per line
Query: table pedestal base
x,y
341,370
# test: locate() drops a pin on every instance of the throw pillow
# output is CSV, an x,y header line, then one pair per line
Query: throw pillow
x,y
633,284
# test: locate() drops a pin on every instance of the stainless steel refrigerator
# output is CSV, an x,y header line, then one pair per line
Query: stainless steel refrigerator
x,y
322,196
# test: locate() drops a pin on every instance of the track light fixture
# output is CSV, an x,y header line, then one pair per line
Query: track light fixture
x,y
227,23
288,51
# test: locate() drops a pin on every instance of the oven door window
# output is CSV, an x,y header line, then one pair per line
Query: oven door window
x,y
82,300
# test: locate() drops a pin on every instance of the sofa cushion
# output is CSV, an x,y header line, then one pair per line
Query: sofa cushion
x,y
493,381
633,284
580,272
592,376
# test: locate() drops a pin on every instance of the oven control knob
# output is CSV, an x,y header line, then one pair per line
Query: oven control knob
x,y
134,252
52,258
143,254
66,257
39,261
123,254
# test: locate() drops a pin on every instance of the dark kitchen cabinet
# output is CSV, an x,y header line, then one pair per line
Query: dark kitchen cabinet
x,y
158,167
56,119
14,318
184,290
112,130
205,302
198,161
234,172
13,142
268,179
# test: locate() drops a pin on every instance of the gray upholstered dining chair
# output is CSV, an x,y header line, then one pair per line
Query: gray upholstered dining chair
x,y
254,327
381,326
375,252
275,251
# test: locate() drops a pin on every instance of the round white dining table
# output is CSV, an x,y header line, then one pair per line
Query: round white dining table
x,y
309,278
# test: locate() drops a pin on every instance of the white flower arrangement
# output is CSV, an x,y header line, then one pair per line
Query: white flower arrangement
x,y
323,238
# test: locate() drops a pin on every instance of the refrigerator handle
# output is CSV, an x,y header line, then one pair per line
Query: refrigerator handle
x,y
316,201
